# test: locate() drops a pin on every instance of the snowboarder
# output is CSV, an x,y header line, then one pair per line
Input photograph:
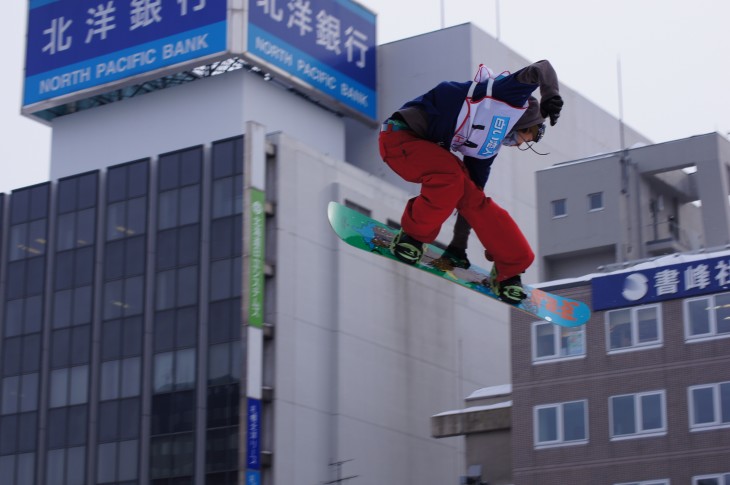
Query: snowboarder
x,y
474,118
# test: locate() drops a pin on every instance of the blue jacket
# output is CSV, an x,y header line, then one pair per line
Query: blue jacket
x,y
443,103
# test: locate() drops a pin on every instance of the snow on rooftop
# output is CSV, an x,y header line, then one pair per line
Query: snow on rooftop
x,y
494,391
630,267
488,407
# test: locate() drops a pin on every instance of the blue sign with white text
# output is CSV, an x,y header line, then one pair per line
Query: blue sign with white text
x,y
328,44
651,285
253,434
74,45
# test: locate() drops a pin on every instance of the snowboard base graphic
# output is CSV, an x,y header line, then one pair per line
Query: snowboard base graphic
x,y
367,234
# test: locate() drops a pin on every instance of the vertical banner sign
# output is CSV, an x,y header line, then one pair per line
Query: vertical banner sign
x,y
253,434
327,45
256,271
88,45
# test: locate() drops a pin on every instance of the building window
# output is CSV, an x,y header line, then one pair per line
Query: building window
x,y
632,328
636,415
561,424
707,317
595,201
648,482
709,406
721,479
560,208
551,342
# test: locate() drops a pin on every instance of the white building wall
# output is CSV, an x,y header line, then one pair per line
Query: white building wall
x,y
195,113
366,347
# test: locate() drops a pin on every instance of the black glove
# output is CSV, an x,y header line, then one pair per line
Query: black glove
x,y
551,107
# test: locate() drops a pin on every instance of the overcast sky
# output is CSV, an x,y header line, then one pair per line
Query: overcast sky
x,y
674,61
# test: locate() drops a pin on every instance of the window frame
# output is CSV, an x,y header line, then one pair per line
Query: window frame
x,y
717,422
553,206
712,322
634,322
559,333
591,198
638,433
560,425
661,481
719,476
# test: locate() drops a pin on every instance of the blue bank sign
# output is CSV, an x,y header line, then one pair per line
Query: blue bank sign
x,y
80,48
75,46
683,280
327,46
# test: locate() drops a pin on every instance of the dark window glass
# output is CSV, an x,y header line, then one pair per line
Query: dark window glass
x,y
117,184
64,270
189,247
35,276
82,305
222,449
114,260
223,153
16,274
87,190
12,350
85,227
31,353
19,206
135,256
187,286
182,417
57,422
110,338
129,418
137,216
76,426
33,314
221,238
223,406
67,190
168,206
190,166
132,336
137,181
169,171
39,202
187,327
8,434
167,249
80,345
84,267
164,331
14,317
60,347
189,205
108,420
27,432
161,412
65,231
62,309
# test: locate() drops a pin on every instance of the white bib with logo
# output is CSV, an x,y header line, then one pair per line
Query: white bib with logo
x,y
482,125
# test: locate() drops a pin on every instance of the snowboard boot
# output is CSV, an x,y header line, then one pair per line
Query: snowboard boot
x,y
406,248
510,290
457,257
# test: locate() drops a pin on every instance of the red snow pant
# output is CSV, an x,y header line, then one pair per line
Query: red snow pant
x,y
445,186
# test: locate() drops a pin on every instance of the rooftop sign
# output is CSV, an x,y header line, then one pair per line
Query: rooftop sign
x,y
78,49
651,285
325,46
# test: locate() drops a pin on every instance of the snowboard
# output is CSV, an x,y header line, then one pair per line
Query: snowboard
x,y
362,232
